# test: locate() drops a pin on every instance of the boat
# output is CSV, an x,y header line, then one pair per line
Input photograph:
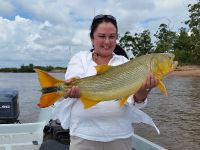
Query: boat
x,y
30,136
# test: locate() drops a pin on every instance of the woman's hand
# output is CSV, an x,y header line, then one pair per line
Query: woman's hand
x,y
142,93
74,92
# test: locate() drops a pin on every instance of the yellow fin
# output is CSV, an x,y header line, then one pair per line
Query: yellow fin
x,y
47,80
88,103
49,98
155,68
161,86
102,68
123,101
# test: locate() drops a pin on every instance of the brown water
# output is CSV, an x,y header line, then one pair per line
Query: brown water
x,y
177,116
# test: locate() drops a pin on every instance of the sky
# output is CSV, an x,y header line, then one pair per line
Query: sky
x,y
50,32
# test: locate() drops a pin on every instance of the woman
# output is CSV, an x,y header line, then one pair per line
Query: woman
x,y
104,126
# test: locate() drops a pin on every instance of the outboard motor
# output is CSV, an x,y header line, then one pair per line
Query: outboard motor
x,y
9,106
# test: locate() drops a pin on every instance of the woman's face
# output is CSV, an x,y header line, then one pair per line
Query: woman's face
x,y
104,39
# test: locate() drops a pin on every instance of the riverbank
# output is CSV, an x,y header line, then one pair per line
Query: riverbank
x,y
187,70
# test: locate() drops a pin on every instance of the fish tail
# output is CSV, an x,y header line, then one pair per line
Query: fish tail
x,y
46,80
50,88
49,99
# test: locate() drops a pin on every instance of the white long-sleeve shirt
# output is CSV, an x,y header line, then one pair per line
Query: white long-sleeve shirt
x,y
104,121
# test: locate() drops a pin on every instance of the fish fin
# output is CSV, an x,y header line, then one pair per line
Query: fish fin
x,y
88,103
47,80
102,68
123,101
49,98
162,87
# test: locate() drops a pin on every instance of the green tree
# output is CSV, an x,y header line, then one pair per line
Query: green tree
x,y
183,47
28,68
194,25
165,39
194,21
143,43
139,44
127,42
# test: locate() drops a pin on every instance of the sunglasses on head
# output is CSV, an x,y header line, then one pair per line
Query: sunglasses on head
x,y
101,16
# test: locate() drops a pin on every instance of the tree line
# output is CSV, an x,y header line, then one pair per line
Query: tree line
x,y
185,44
30,67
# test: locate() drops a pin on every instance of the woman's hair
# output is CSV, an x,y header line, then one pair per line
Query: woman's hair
x,y
106,18
120,51
99,19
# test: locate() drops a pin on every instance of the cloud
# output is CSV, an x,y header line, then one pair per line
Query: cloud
x,y
23,40
6,8
48,32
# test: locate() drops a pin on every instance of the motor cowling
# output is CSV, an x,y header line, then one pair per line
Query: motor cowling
x,y
9,106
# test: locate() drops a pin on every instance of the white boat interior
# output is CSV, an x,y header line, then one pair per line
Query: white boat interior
x,y
29,136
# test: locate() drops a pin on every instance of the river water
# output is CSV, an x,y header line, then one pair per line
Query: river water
x,y
176,115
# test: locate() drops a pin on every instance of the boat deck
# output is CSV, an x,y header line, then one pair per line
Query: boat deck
x,y
29,136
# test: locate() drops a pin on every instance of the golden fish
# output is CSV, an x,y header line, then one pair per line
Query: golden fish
x,y
111,82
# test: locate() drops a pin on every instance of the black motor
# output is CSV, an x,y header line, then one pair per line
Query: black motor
x,y
9,106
